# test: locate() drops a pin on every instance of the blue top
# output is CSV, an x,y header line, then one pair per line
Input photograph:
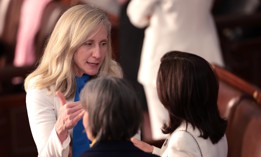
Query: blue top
x,y
80,142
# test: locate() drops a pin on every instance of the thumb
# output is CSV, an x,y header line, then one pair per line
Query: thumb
x,y
61,97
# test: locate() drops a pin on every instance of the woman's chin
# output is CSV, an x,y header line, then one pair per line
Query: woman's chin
x,y
92,73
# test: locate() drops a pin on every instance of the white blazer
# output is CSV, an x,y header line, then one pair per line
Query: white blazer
x,y
42,110
181,144
183,25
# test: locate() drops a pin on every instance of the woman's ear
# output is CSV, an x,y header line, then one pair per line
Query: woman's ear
x,y
85,120
87,126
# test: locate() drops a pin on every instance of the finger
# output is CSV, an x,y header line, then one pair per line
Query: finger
x,y
73,121
61,97
79,116
71,111
74,105
73,115
134,140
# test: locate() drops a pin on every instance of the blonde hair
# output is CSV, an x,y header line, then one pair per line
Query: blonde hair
x,y
55,71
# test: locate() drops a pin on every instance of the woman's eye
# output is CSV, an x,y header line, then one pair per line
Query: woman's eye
x,y
103,43
88,43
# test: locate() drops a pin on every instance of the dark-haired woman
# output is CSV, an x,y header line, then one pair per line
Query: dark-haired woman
x,y
188,88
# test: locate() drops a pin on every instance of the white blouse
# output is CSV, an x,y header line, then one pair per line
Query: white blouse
x,y
181,144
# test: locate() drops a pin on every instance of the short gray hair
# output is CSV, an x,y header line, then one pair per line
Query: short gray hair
x,y
113,108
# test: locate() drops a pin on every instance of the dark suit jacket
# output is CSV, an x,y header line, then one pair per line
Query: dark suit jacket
x,y
115,149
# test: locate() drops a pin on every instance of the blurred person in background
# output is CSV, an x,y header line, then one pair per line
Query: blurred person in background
x,y
29,25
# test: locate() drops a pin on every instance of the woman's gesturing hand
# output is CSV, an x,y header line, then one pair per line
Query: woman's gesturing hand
x,y
69,114
142,145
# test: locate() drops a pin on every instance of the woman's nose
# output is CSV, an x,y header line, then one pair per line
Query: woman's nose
x,y
96,52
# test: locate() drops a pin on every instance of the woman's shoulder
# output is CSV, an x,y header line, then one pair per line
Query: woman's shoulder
x,y
39,95
181,142
33,82
34,85
34,91
184,134
190,141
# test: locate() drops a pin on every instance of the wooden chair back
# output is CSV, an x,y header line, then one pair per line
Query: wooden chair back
x,y
243,131
231,87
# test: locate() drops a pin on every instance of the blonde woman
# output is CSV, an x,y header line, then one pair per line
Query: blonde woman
x,y
78,50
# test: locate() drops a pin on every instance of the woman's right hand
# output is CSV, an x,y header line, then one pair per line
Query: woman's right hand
x,y
142,145
69,115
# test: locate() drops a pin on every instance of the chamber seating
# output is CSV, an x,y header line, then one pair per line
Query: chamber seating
x,y
239,103
231,87
15,135
244,127
7,75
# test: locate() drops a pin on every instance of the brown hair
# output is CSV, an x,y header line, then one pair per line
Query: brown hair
x,y
188,89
